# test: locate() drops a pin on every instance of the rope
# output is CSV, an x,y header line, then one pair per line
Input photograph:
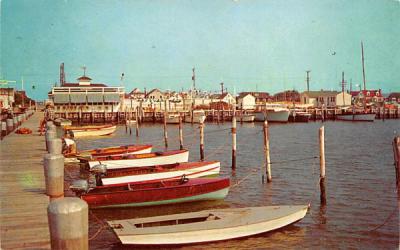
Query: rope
x,y
102,226
244,178
384,222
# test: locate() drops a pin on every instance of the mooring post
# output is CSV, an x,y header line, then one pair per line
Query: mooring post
x,y
165,129
201,140
266,152
54,175
137,123
322,164
55,146
68,223
180,133
3,129
233,141
10,125
396,155
49,135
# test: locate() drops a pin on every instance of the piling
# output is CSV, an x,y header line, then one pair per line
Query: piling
x,y
266,152
55,146
15,122
201,140
137,123
54,175
165,130
68,223
49,135
322,165
233,142
396,154
3,129
10,125
180,133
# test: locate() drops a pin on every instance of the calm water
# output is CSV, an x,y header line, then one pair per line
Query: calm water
x,y
361,190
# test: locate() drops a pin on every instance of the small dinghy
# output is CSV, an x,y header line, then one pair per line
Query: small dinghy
x,y
159,172
140,160
206,226
93,130
112,151
152,193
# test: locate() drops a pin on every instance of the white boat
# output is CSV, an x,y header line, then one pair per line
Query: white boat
x,y
259,116
277,115
245,118
199,116
129,122
141,160
173,118
162,172
93,130
357,117
205,226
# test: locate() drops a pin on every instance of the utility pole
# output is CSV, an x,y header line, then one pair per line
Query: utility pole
x,y
194,79
308,80
343,86
62,75
362,60
222,88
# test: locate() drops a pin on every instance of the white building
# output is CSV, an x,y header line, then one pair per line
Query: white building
x,y
246,101
328,99
6,97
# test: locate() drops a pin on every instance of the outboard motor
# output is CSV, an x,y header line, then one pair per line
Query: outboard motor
x,y
99,169
79,187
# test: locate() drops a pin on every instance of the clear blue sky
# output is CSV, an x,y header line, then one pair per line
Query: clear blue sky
x,y
266,44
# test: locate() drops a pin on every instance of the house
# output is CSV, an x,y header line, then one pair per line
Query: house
x,y
136,94
371,96
85,96
246,101
225,97
323,98
261,97
6,97
393,97
287,96
155,95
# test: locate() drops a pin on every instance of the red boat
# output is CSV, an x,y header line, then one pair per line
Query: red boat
x,y
112,151
154,192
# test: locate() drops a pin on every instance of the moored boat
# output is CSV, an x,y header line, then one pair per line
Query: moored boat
x,y
140,160
206,226
93,130
199,116
277,115
245,118
359,117
172,118
153,192
160,172
113,151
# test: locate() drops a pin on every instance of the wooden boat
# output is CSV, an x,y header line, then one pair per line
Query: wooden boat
x,y
154,192
112,151
172,118
199,116
245,118
140,160
206,226
160,172
93,130
357,117
299,116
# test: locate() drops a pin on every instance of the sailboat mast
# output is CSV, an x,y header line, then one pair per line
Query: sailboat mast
x,y
363,69
343,88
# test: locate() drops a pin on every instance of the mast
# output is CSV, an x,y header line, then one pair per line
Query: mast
x,y
363,69
343,84
308,80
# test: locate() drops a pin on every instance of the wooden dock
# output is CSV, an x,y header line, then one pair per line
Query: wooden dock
x,y
23,218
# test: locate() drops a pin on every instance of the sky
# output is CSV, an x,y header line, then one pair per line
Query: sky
x,y
264,45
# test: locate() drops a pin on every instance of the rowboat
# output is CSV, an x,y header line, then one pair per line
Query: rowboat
x,y
153,192
140,160
357,117
112,151
160,172
199,116
206,226
93,130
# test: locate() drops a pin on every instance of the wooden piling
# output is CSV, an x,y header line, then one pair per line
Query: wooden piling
x,y
10,125
201,140
180,133
233,141
68,223
266,152
322,165
3,129
54,175
165,130
137,123
396,155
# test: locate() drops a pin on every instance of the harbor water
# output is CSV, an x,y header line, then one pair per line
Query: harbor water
x,y
362,210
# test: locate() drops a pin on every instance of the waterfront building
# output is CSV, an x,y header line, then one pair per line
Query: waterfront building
x,y
86,96
261,97
290,96
370,95
156,95
225,97
246,101
323,98
6,97
394,98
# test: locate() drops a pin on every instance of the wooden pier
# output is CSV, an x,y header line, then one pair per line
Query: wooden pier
x,y
23,200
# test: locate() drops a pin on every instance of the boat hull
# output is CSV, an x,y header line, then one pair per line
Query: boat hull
x,y
259,116
214,231
115,151
172,119
277,115
136,194
356,117
92,131
246,118
141,162
210,169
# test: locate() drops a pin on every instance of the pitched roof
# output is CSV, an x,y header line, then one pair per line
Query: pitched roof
x,y
243,94
394,95
84,78
314,94
85,86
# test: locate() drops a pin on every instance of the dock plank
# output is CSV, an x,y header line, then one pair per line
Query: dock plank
x,y
23,218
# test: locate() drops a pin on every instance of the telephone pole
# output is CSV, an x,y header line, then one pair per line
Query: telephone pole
x,y
308,80
222,88
343,86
